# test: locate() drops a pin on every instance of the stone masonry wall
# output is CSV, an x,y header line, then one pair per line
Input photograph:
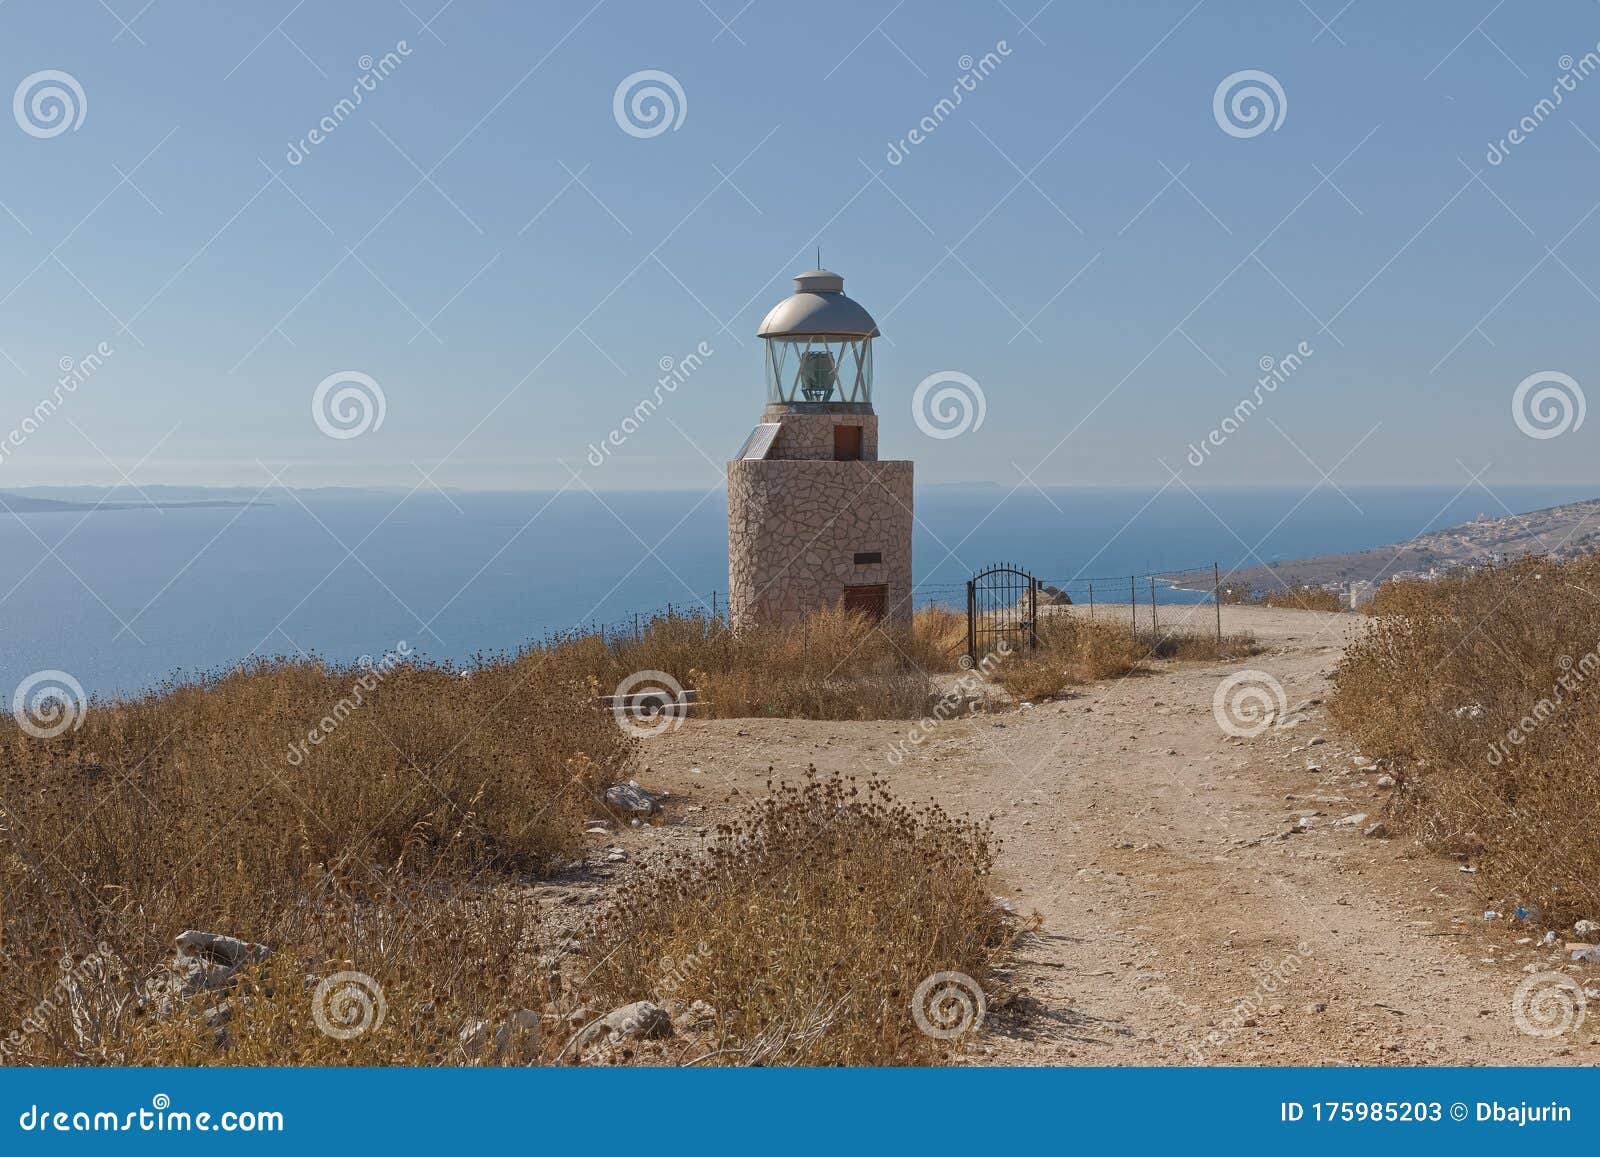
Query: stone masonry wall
x,y
794,527
806,434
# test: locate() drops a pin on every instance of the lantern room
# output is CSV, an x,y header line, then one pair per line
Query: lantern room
x,y
818,344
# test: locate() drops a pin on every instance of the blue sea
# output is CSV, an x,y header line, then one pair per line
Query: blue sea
x,y
123,599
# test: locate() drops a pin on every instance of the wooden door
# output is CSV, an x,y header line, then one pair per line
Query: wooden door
x,y
871,601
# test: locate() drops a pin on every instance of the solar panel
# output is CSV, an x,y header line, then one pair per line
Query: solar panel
x,y
759,443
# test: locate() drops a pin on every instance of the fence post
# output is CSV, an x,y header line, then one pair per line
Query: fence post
x,y
1091,602
1154,629
1133,601
1216,596
972,627
1033,614
636,635
713,605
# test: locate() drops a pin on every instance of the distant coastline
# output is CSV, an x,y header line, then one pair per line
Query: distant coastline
x,y
1561,531
26,504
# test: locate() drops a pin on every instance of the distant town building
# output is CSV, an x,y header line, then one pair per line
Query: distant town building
x,y
815,518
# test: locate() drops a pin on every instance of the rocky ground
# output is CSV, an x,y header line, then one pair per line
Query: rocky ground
x,y
1204,898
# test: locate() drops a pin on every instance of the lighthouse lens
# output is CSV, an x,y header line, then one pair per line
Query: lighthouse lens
x,y
816,375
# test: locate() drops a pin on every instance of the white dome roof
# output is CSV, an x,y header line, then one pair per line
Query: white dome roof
x,y
818,307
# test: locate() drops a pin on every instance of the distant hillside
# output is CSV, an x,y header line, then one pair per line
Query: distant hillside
x,y
1561,531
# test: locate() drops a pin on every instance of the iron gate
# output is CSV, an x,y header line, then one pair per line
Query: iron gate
x,y
1002,605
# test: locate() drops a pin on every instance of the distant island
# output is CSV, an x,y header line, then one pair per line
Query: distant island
x,y
14,503
1560,531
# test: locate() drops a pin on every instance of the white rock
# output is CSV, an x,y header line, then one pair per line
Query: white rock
x,y
204,961
630,797
640,1020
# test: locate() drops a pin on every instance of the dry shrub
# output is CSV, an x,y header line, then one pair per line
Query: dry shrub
x,y
1294,595
1090,649
1485,688
833,665
1029,680
1398,596
1302,598
185,809
808,927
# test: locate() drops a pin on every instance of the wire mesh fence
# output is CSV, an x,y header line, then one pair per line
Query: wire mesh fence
x,y
713,609
1135,596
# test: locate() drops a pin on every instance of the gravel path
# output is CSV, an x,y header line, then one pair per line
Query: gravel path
x,y
1184,921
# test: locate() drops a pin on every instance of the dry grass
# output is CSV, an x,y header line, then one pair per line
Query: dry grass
x,y
1483,688
1198,646
1302,598
941,633
1292,595
441,953
833,665
1074,651
185,809
808,928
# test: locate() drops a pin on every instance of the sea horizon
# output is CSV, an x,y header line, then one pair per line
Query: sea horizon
x,y
125,599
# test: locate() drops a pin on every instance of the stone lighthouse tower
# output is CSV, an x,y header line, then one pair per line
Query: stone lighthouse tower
x,y
815,519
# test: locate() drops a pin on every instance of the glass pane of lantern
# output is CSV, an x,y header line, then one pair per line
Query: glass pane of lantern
x,y
777,369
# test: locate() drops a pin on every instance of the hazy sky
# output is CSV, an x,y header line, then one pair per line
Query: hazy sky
x,y
1082,235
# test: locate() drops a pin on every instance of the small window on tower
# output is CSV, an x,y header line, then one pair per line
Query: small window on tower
x,y
846,443
868,557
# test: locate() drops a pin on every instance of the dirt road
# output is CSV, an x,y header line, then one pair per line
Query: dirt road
x,y
1184,921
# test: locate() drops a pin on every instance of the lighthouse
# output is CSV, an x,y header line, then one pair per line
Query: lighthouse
x,y
815,518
